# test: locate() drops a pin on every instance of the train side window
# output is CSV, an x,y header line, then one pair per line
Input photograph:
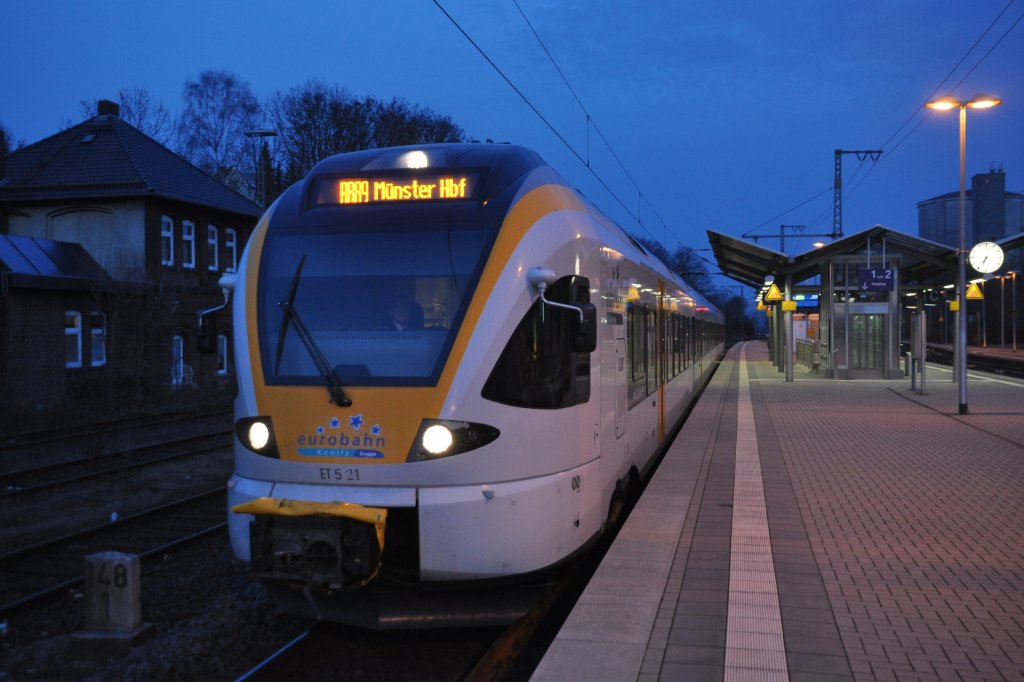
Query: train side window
x,y
639,351
651,348
538,367
675,341
637,343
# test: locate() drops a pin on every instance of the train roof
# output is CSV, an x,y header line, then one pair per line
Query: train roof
x,y
505,163
509,159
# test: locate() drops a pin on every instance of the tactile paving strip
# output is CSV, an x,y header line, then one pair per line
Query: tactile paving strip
x,y
754,648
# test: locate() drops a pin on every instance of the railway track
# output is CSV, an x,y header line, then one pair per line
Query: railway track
x,y
996,364
37,571
34,479
58,434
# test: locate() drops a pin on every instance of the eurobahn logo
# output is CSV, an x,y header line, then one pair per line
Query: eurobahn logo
x,y
335,441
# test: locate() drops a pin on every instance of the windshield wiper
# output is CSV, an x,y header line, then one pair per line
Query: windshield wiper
x,y
291,316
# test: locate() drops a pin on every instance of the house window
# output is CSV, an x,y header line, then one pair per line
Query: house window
x,y
72,338
188,245
231,250
222,354
98,339
211,248
166,241
177,360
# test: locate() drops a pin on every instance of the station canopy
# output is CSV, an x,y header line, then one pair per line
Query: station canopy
x,y
923,261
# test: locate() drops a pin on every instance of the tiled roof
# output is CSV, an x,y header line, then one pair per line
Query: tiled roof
x,y
104,157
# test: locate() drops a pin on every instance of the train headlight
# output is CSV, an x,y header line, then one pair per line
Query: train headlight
x,y
443,438
437,439
257,434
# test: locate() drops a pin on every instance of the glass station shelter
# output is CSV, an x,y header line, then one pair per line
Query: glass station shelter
x,y
866,285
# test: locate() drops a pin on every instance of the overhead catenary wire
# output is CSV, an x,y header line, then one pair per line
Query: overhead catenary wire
x,y
919,111
583,161
592,123
925,114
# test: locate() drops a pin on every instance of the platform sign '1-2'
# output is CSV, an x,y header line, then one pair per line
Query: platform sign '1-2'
x,y
876,280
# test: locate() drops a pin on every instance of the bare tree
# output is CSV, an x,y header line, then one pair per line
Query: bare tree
x,y
685,262
218,108
138,109
7,141
398,123
315,120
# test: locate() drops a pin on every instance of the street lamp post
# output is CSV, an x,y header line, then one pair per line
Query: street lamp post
x,y
944,104
261,171
1013,309
1002,313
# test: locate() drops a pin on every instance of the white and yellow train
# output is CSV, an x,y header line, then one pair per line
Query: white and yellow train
x,y
448,364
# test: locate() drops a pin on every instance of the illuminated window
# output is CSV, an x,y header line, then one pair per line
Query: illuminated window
x,y
166,241
72,338
97,339
188,245
211,248
222,354
231,250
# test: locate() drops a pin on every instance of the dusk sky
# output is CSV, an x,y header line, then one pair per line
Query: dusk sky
x,y
725,114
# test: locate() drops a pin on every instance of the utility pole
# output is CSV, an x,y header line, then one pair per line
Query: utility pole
x,y
837,201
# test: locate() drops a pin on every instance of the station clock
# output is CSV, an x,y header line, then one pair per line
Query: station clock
x,y
986,257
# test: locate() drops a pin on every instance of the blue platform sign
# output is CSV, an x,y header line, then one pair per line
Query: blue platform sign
x,y
876,280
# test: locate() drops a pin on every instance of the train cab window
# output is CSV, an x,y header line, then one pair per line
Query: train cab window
x,y
538,367
346,286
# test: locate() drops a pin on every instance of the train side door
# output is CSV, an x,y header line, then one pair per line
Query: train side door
x,y
661,349
620,387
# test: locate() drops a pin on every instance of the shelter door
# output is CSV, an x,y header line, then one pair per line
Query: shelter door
x,y
867,337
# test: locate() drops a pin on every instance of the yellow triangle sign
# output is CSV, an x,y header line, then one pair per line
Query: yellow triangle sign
x,y
773,294
974,292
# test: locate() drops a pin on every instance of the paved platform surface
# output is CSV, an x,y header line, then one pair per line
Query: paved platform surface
x,y
883,538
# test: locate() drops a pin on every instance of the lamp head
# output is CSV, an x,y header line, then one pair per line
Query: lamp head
x,y
944,103
981,101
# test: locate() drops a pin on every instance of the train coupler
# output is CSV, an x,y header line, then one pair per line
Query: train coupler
x,y
323,545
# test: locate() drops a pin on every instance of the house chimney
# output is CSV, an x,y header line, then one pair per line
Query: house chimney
x,y
107,108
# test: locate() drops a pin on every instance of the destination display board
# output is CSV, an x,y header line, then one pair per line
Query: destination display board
x,y
396,189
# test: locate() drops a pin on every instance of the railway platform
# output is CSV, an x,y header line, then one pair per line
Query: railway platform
x,y
818,529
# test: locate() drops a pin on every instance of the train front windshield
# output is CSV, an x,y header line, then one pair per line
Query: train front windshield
x,y
382,304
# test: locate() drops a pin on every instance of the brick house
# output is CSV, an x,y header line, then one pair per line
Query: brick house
x,y
111,245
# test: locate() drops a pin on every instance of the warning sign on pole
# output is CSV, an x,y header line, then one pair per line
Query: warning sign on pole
x,y
773,294
974,292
